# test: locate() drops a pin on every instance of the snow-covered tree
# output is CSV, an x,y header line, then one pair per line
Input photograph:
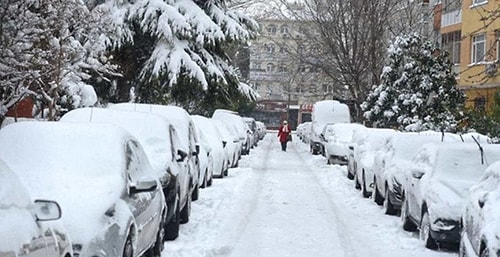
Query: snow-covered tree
x,y
48,49
167,44
418,90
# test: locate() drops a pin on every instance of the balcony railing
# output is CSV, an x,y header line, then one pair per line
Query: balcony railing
x,y
451,18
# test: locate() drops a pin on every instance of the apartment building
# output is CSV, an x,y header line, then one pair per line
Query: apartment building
x,y
470,31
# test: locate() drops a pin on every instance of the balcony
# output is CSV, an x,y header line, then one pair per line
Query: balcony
x,y
451,18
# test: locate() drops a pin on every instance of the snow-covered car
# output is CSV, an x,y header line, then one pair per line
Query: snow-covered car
x,y
261,129
480,221
216,142
163,149
252,125
111,203
186,131
324,112
232,145
437,186
338,137
205,156
29,228
233,119
368,143
392,163
304,131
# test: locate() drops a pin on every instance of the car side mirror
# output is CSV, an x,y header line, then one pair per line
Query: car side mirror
x,y
47,210
143,185
417,173
224,143
197,150
181,155
482,199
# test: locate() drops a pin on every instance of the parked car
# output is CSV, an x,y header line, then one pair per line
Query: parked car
x,y
233,145
480,234
29,228
205,157
369,142
337,139
437,185
392,163
252,125
164,150
261,129
304,132
185,128
99,174
216,142
324,112
233,119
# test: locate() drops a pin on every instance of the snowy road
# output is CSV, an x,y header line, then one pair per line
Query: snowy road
x,y
285,204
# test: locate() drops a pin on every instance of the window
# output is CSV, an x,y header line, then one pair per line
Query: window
x,y
477,2
301,68
284,29
451,42
283,68
478,48
283,49
271,29
298,89
270,67
497,37
480,103
270,48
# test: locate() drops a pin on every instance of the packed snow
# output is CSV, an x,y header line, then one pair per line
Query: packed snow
x,y
291,204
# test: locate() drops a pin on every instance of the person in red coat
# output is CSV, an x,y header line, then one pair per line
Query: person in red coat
x,y
283,133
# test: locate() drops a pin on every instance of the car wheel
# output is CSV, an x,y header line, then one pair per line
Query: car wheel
x,y
196,192
209,182
204,183
186,211
128,250
407,223
356,182
364,192
172,227
425,232
376,194
387,205
350,173
485,252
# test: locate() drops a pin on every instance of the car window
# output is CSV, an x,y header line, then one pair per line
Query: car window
x,y
135,158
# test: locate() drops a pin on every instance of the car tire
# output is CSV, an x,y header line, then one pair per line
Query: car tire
x,y
196,192
357,185
377,198
209,182
186,211
172,227
204,183
425,232
408,225
484,252
388,207
364,192
462,252
128,250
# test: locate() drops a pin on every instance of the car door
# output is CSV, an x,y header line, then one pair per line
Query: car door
x,y
182,166
145,206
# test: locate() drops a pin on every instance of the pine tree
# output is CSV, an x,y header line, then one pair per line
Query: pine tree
x,y
418,90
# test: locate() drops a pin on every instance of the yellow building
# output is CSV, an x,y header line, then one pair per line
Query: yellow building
x,y
479,52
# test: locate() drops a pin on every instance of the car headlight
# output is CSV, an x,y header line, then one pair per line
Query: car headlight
x,y
445,225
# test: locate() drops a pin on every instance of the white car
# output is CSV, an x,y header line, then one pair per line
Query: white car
x,y
185,129
338,138
215,141
480,234
232,145
29,228
233,119
164,150
111,203
437,186
324,112
369,142
392,163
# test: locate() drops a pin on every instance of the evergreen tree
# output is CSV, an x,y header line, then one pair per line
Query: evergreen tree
x,y
418,90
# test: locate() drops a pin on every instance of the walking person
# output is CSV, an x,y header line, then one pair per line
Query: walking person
x,y
283,134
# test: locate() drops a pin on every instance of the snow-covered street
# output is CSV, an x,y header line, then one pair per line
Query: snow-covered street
x,y
290,204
